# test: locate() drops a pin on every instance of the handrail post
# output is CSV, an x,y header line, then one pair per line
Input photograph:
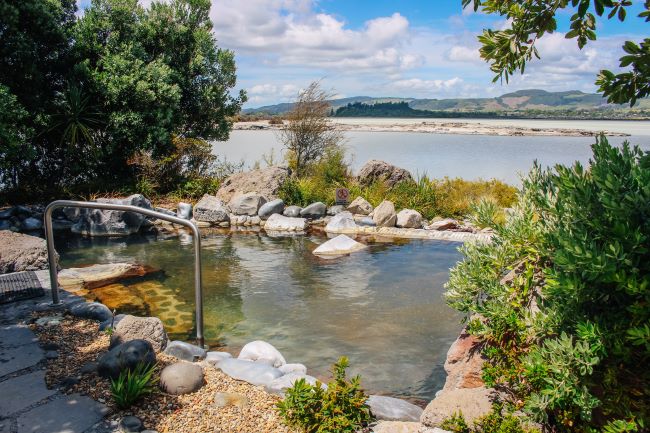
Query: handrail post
x,y
196,234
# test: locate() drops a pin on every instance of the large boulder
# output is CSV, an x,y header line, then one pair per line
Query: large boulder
x,y
384,215
270,208
98,222
393,409
181,378
261,350
360,206
409,219
375,170
130,328
246,204
314,211
279,223
464,363
473,403
185,351
340,245
265,181
211,209
342,223
19,252
125,356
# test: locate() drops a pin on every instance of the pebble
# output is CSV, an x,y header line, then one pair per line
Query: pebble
x,y
131,424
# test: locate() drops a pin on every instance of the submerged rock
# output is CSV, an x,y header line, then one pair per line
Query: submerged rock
x,y
261,350
181,378
252,372
393,409
340,245
277,222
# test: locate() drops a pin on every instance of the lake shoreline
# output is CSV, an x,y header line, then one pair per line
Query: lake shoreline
x,y
441,127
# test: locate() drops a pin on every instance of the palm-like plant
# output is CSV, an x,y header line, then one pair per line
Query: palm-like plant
x,y
78,121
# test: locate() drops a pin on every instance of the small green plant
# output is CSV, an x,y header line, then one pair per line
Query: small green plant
x,y
341,407
133,384
456,423
494,422
109,330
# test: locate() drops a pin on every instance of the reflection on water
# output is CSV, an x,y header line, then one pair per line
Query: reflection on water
x,y
383,307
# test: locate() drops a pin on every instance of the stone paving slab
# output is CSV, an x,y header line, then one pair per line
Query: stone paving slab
x,y
17,358
23,391
72,414
16,335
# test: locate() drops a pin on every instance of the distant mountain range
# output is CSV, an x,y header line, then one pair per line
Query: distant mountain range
x,y
522,103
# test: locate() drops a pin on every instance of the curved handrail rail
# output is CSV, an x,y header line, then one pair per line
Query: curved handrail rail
x,y
198,281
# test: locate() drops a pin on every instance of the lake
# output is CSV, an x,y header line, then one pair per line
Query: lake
x,y
382,307
440,155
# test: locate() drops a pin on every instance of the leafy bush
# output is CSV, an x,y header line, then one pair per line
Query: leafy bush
x,y
486,213
341,407
133,384
561,296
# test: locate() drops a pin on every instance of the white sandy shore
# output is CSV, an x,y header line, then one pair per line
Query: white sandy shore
x,y
440,127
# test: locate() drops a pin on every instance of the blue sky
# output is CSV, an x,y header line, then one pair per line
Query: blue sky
x,y
407,48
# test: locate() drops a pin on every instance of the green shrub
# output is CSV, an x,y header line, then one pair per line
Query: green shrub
x,y
567,333
486,213
133,384
494,422
339,408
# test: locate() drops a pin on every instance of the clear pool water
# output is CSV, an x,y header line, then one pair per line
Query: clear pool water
x,y
383,307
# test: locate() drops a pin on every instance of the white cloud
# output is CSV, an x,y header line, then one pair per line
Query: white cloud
x,y
285,32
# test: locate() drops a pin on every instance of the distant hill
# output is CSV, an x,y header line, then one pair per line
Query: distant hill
x,y
523,103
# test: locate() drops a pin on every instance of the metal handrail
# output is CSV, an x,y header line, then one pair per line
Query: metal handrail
x,y
198,281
